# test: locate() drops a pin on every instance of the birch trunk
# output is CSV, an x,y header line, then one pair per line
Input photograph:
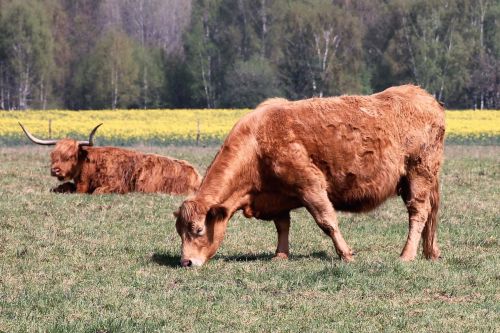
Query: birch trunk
x,y
9,101
43,93
24,89
141,22
326,47
114,87
264,28
410,50
244,44
2,95
483,4
445,69
206,74
145,86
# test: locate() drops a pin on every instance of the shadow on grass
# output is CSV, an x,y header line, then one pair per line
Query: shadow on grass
x,y
166,259
268,256
170,260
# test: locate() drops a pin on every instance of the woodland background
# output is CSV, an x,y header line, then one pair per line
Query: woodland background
x,y
95,54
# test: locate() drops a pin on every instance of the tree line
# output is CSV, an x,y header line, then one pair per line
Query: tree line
x,y
93,54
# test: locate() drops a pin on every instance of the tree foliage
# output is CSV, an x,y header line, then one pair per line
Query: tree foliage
x,y
82,54
108,78
26,56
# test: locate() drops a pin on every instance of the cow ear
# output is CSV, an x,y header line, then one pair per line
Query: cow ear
x,y
217,213
176,213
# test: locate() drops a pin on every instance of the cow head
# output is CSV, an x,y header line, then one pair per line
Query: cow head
x,y
67,155
201,229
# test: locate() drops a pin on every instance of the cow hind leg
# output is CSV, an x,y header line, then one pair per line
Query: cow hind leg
x,y
320,207
421,219
282,227
429,236
102,190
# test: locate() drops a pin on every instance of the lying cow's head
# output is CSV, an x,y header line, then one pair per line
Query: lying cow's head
x,y
201,229
67,155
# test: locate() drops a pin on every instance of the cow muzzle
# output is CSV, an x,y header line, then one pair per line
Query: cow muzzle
x,y
186,263
55,172
191,262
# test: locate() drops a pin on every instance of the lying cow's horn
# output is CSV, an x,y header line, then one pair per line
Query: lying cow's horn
x,y
36,140
91,137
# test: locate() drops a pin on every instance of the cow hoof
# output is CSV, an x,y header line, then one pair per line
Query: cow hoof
x,y
433,258
406,258
348,258
435,255
280,256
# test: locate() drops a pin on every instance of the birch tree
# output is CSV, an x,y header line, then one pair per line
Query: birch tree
x,y
27,54
428,48
484,27
202,53
108,78
322,53
157,27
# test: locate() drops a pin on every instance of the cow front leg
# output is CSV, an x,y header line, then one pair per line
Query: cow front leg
x,y
282,227
320,207
67,187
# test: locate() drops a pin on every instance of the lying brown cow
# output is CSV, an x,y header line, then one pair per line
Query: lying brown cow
x,y
346,153
101,170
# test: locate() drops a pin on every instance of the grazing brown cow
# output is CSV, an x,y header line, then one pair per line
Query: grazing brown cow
x,y
101,170
347,153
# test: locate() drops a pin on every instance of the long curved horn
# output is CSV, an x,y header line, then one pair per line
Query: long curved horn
x,y
36,140
91,137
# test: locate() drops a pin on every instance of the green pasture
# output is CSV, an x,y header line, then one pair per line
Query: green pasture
x,y
81,263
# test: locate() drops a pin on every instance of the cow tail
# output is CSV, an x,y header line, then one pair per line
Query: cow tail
x,y
429,234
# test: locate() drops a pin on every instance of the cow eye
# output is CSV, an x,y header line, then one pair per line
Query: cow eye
x,y
195,230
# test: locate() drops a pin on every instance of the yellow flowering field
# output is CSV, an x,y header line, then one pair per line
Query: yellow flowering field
x,y
473,125
126,126
181,126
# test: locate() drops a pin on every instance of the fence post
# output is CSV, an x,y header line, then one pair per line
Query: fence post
x,y
197,131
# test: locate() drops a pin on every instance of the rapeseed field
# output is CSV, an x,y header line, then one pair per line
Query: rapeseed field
x,y
182,126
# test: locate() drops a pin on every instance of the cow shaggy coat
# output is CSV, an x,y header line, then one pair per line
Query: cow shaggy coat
x,y
99,170
347,153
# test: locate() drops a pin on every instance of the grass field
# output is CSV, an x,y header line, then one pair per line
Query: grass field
x,y
79,263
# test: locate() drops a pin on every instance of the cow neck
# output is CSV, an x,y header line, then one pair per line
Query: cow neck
x,y
228,178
